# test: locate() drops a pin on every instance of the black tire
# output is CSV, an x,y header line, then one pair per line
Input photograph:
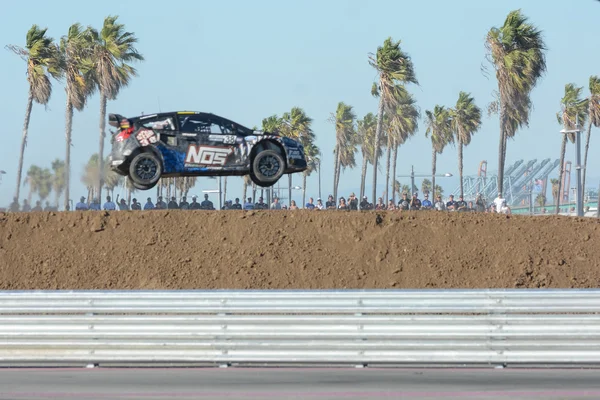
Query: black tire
x,y
140,187
267,167
145,170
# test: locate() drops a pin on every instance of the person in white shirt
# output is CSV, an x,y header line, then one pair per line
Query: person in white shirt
x,y
500,204
249,205
320,205
276,205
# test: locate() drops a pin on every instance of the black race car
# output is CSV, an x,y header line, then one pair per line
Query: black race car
x,y
186,143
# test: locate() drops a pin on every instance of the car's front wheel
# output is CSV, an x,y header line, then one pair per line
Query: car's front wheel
x,y
267,168
145,171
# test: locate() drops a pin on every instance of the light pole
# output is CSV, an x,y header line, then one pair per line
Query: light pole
x,y
579,189
412,177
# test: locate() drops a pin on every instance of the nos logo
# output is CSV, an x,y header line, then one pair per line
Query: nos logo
x,y
207,155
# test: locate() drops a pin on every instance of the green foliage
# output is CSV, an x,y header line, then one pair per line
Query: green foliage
x,y
439,128
540,200
439,190
366,137
466,118
347,138
574,109
426,186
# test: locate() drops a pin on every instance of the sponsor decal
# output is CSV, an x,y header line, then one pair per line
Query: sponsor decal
x,y
146,137
226,139
207,155
295,154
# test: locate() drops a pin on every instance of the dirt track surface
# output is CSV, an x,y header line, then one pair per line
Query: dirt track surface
x,y
295,250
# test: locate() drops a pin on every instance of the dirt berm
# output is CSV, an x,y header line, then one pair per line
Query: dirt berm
x,y
295,249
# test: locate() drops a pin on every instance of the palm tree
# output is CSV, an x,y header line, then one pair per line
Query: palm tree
x,y
366,136
594,114
75,49
42,58
540,199
33,180
296,125
573,113
517,52
439,129
90,176
404,122
345,138
128,185
312,153
426,186
114,48
45,184
394,68
466,120
247,181
439,190
58,178
111,178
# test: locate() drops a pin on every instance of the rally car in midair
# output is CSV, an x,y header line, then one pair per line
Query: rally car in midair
x,y
186,143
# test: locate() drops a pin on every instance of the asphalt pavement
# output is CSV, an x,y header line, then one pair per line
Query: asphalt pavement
x,y
297,383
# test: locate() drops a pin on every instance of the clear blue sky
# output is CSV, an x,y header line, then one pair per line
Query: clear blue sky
x,y
246,60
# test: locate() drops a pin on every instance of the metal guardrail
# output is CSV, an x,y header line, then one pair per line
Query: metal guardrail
x,y
352,326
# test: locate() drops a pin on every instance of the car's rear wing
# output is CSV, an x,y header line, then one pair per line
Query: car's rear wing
x,y
119,121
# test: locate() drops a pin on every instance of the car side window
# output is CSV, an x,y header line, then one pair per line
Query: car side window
x,y
162,123
195,124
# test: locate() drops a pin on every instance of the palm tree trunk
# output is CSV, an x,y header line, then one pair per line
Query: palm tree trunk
x,y
363,176
101,147
335,169
289,189
394,162
433,171
376,145
460,166
303,190
68,129
254,192
387,170
501,150
338,170
128,196
24,142
244,191
563,149
225,188
585,155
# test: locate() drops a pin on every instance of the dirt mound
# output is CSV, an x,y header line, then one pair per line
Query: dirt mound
x,y
295,249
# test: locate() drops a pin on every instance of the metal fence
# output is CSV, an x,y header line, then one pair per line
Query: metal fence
x,y
278,327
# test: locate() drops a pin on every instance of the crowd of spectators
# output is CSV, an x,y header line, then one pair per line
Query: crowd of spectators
x,y
351,204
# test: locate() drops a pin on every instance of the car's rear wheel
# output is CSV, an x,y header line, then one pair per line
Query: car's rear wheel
x,y
145,170
267,167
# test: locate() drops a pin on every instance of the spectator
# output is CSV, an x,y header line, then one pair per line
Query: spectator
x,y
380,206
500,204
135,205
415,203
49,207
364,203
123,205
38,206
342,205
309,206
81,206
390,207
173,204
439,204
14,206
160,204
109,205
261,205
195,205
352,202
461,205
293,205
451,204
471,207
330,203
426,203
236,205
479,203
404,203
320,205
95,205
183,204
276,205
149,205
26,206
249,205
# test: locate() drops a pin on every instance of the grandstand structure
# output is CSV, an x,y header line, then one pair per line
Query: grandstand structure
x,y
523,181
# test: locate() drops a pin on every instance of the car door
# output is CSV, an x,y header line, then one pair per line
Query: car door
x,y
208,148
160,131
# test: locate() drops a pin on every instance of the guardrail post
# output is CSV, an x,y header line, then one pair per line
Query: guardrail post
x,y
224,351
91,327
360,327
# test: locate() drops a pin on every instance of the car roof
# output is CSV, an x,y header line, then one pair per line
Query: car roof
x,y
202,114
